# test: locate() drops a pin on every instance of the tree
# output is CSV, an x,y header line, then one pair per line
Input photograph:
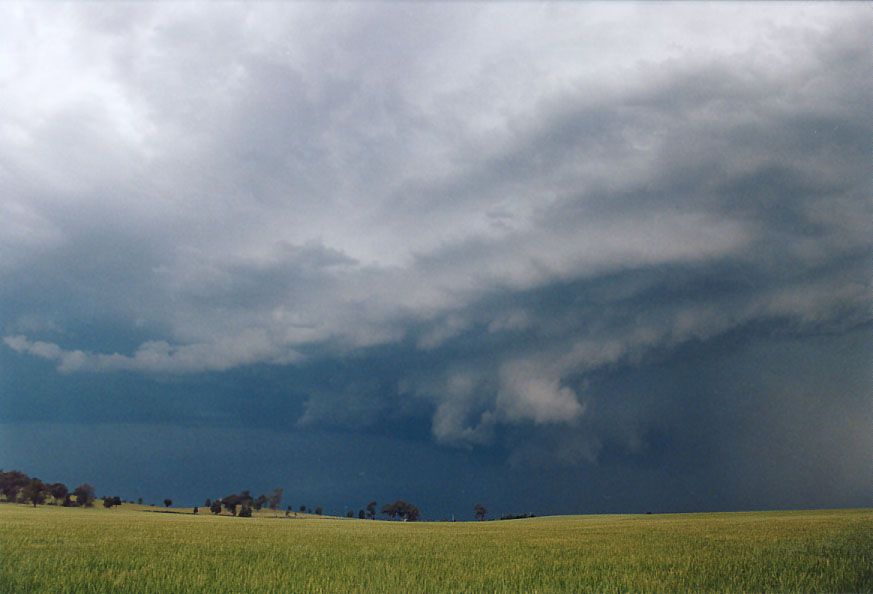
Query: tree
x,y
116,500
276,498
139,500
402,509
246,510
318,511
12,482
350,514
108,502
302,509
232,501
371,510
411,513
168,502
361,514
215,507
260,502
208,503
84,495
34,492
479,511
58,491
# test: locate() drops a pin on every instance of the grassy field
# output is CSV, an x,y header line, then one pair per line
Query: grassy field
x,y
52,549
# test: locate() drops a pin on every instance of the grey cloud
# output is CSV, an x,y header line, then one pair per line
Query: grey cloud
x,y
251,193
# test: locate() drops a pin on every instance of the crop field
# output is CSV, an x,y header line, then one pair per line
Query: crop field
x,y
54,549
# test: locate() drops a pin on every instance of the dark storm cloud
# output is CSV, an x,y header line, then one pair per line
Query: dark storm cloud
x,y
478,223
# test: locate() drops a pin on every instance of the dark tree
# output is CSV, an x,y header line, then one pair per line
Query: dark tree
x,y
246,510
215,507
371,510
12,482
108,502
59,491
479,511
350,514
116,500
259,501
276,498
139,500
84,495
196,510
361,514
318,511
402,509
302,509
34,492
207,503
68,501
411,513
168,502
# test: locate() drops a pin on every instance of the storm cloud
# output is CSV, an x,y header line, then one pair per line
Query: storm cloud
x,y
514,203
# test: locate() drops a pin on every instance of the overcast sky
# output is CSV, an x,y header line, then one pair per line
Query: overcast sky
x,y
555,258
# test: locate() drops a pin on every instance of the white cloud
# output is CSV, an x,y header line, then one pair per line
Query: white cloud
x,y
247,182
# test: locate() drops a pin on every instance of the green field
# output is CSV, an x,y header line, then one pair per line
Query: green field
x,y
53,549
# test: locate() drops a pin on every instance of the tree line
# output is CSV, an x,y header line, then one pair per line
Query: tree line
x,y
17,487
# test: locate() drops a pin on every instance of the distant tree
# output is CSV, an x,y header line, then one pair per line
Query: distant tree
x,y
34,492
168,502
411,514
215,507
479,511
260,502
12,482
318,511
276,498
207,503
371,510
116,500
302,509
246,510
58,491
108,502
139,500
68,501
361,514
196,510
350,514
402,509
84,495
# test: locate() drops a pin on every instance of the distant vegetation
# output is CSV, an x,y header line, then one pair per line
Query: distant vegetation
x,y
18,487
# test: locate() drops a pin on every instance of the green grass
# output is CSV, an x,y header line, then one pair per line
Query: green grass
x,y
52,549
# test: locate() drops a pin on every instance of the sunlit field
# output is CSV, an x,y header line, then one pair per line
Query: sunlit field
x,y
127,549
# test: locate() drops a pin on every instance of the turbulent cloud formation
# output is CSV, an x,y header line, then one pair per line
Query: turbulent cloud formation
x,y
519,196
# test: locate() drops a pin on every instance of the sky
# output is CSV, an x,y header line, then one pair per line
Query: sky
x,y
551,258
